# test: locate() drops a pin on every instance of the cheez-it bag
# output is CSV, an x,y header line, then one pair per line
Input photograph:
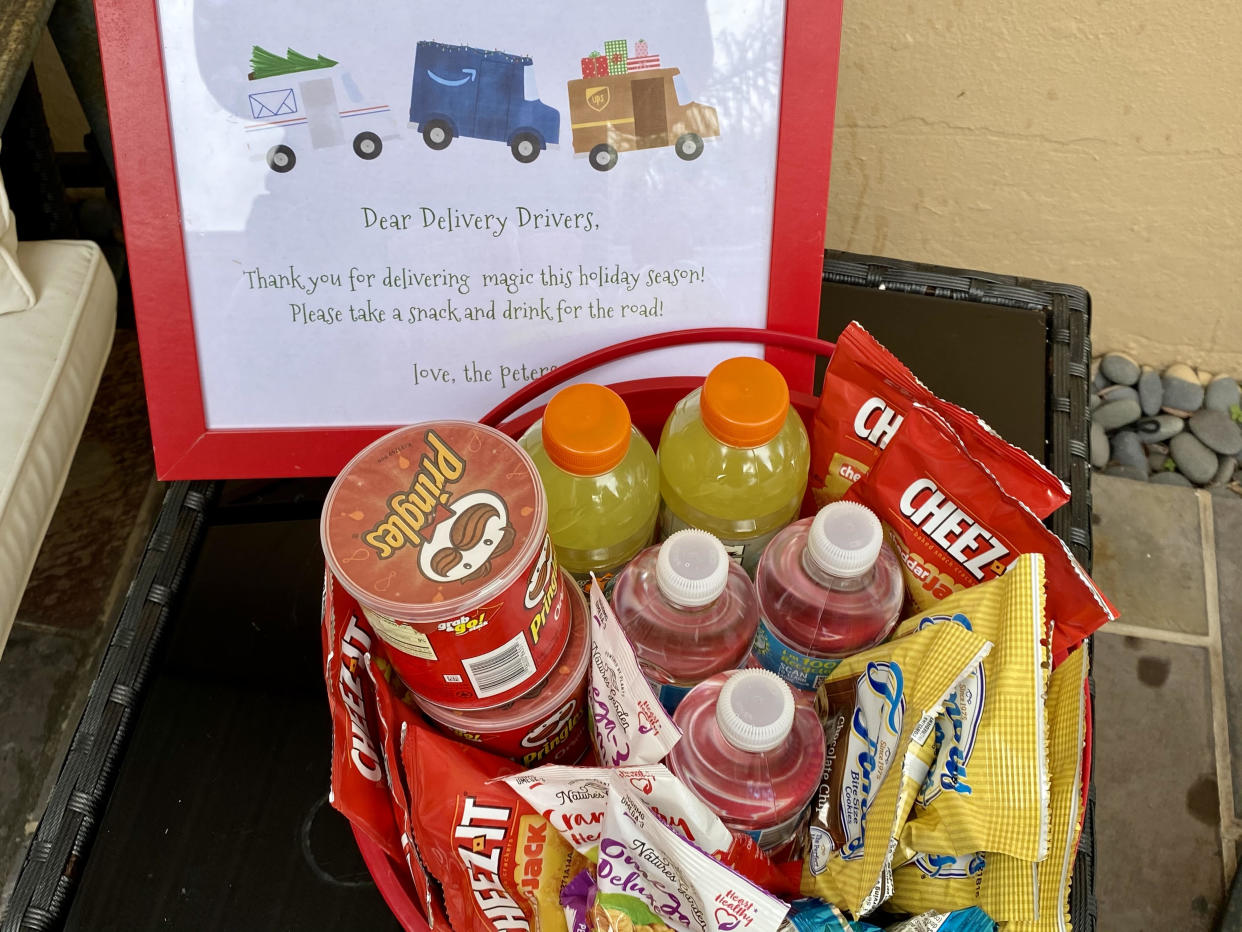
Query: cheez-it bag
x,y
500,864
359,784
866,397
953,526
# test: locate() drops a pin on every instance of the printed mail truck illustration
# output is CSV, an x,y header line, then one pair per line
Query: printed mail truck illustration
x,y
300,102
636,110
464,91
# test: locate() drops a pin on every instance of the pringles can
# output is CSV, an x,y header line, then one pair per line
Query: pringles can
x,y
547,725
439,530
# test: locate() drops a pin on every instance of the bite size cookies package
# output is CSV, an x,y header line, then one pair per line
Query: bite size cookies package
x,y
986,787
882,699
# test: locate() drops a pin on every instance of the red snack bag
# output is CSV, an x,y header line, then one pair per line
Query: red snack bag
x,y
867,394
359,788
953,526
395,717
501,865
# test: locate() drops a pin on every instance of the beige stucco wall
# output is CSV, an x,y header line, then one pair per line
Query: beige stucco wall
x,y
1096,142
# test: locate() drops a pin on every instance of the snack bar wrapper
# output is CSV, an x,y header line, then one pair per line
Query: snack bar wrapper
x,y
574,800
359,788
629,726
987,786
395,716
867,394
648,875
500,864
953,527
874,705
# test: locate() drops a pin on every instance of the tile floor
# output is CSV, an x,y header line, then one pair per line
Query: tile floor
x,y
1168,675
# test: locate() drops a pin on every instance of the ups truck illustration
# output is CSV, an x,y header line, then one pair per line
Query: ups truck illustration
x,y
309,102
463,91
637,110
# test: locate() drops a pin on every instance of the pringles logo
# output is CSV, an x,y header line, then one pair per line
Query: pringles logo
x,y
456,538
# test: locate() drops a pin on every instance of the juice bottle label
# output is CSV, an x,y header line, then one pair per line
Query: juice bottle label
x,y
775,836
745,551
794,667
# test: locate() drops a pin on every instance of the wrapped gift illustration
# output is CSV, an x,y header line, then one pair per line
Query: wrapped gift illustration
x,y
617,47
616,63
640,48
646,63
595,66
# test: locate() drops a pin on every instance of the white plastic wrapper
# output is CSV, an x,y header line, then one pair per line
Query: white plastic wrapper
x,y
628,725
573,799
649,874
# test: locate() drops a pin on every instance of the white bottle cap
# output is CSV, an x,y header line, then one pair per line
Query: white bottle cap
x,y
845,539
692,568
755,710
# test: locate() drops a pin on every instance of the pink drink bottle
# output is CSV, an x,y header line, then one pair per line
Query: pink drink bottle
x,y
828,587
688,610
752,752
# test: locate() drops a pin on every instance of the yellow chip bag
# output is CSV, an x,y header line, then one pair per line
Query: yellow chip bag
x,y
1006,878
877,702
987,786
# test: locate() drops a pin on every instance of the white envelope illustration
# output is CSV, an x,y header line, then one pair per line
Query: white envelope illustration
x,y
268,104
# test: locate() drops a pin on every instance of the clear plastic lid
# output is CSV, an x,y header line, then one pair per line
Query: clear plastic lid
x,y
755,710
433,520
845,539
692,568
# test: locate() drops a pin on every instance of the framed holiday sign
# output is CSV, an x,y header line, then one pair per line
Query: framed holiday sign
x,y
338,223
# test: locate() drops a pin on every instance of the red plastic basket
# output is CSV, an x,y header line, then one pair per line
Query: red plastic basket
x,y
650,402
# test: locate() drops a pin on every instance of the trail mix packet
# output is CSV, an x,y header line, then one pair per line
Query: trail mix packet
x,y
574,800
986,788
500,864
874,705
650,877
629,726
359,789
867,394
953,526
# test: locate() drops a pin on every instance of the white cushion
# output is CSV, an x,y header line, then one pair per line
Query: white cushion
x,y
16,293
51,358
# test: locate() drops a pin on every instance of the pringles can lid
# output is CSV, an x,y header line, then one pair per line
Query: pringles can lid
x,y
433,519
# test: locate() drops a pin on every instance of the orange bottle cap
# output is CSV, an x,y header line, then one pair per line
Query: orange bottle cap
x,y
586,429
744,402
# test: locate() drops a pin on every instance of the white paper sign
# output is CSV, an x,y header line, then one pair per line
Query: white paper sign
x,y
396,211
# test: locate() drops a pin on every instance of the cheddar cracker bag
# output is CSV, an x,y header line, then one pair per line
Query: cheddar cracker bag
x,y
953,527
359,788
987,786
867,394
501,865
884,698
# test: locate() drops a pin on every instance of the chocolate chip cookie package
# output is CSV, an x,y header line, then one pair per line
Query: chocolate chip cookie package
x,y
439,530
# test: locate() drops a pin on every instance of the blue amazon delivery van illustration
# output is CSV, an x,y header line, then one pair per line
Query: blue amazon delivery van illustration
x,y
474,93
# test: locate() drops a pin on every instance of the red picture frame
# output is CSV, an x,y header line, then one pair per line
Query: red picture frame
x,y
186,449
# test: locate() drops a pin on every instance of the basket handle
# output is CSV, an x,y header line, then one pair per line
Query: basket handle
x,y
575,367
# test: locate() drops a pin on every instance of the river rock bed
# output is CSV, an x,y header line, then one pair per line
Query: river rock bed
x,y
1176,426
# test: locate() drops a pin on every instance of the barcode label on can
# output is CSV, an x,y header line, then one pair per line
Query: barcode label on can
x,y
500,669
